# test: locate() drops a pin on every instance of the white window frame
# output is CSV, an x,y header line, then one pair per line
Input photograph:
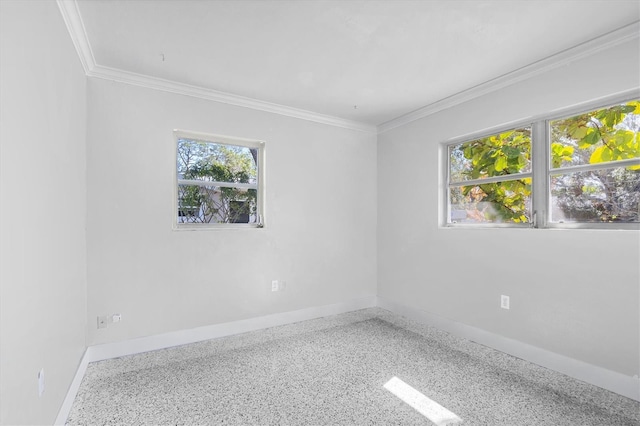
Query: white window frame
x,y
493,179
259,186
541,170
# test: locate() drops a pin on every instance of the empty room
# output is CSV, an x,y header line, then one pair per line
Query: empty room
x,y
288,212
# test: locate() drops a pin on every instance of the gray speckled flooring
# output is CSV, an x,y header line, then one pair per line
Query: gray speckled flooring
x,y
332,371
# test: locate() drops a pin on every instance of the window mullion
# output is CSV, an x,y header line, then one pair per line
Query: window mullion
x,y
540,167
492,179
597,166
207,183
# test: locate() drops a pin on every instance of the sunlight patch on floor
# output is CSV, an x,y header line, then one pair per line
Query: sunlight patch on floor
x,y
425,406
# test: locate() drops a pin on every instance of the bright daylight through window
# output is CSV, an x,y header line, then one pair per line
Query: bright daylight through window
x,y
590,178
490,178
218,181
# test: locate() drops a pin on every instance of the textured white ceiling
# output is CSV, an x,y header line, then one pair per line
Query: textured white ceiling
x,y
388,58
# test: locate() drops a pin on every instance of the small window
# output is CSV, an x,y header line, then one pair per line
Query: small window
x,y
595,166
490,179
218,181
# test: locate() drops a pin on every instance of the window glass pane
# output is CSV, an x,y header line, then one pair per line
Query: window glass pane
x,y
599,136
501,202
501,154
215,204
208,161
608,195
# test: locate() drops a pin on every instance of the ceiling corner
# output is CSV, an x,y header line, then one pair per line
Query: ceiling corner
x,y
75,26
73,20
613,38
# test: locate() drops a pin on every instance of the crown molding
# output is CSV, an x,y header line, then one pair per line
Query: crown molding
x,y
73,20
226,98
614,38
75,26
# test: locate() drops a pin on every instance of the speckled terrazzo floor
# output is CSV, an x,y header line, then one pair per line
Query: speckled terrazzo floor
x,y
332,371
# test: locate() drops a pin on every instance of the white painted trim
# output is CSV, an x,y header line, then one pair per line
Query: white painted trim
x,y
65,409
75,26
156,83
592,374
218,139
208,183
598,376
609,40
183,337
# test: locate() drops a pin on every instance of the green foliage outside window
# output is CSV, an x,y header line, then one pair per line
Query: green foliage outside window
x,y
603,194
503,154
601,137
211,162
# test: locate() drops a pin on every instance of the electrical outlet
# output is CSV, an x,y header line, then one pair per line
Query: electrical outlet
x,y
116,318
274,285
102,322
504,302
41,382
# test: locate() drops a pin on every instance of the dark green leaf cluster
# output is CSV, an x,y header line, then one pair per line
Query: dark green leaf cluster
x,y
609,194
597,137
498,155
503,154
209,162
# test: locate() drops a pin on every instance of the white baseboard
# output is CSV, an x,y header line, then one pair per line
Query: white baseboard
x,y
598,376
65,409
592,374
183,337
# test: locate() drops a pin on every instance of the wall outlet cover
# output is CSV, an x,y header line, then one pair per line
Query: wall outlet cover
x,y
504,302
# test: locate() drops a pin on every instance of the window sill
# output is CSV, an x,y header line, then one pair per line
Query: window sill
x,y
217,227
549,227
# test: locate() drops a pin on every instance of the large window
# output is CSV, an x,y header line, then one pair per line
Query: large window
x,y
218,181
574,170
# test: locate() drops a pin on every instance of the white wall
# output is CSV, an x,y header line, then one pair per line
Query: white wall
x,y
576,292
43,210
320,217
573,292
